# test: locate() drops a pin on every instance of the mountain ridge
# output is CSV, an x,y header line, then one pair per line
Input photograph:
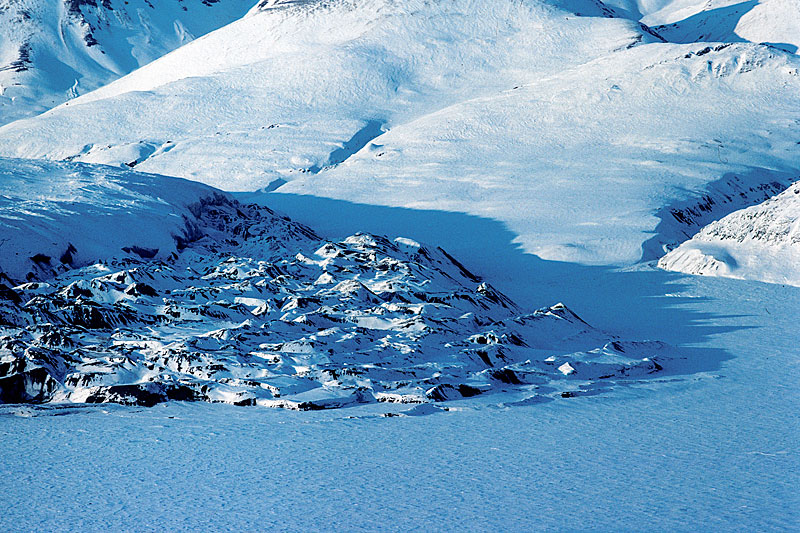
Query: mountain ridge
x,y
54,51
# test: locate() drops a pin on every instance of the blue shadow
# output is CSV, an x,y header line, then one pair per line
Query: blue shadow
x,y
631,303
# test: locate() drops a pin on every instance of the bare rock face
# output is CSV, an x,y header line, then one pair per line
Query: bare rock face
x,y
258,310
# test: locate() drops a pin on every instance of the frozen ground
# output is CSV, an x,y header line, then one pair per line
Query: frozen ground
x,y
716,451
712,446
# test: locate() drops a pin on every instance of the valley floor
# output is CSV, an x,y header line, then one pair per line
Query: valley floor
x,y
713,447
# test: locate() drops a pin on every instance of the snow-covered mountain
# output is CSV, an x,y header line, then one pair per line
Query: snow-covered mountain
x,y
761,243
54,50
464,106
773,22
191,295
453,106
55,216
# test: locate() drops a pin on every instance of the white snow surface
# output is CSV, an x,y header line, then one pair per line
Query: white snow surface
x,y
761,243
54,50
75,214
715,450
492,130
237,304
773,22
513,110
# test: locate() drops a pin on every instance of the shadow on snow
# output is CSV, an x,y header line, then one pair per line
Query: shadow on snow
x,y
632,303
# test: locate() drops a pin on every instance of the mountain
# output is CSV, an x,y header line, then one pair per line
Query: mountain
x,y
761,243
591,138
187,294
518,111
386,201
54,50
59,215
773,22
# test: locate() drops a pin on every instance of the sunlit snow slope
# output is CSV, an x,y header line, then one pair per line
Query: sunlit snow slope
x,y
575,131
774,22
54,50
55,216
761,243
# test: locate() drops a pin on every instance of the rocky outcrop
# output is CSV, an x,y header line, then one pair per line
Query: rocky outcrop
x,y
258,310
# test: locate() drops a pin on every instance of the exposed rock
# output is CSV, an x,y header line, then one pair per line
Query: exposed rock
x,y
7,293
258,310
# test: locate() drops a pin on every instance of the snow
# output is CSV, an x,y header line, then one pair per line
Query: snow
x,y
73,214
232,310
717,449
555,158
774,22
54,50
761,243
510,158
459,106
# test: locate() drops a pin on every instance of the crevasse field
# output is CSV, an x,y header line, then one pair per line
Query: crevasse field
x,y
400,265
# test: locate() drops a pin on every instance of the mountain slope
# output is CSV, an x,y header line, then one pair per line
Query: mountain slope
x,y
55,216
759,243
774,22
274,94
590,121
54,50
579,163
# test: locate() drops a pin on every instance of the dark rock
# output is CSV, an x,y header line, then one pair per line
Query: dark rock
x,y
87,315
68,256
506,375
245,402
143,394
182,393
445,391
41,259
467,391
7,293
141,289
74,290
31,386
144,253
